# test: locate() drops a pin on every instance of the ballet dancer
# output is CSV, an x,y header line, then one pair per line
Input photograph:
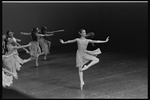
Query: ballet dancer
x,y
13,62
82,55
6,74
35,50
11,36
45,44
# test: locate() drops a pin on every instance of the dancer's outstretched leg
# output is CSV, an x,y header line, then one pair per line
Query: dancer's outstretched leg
x,y
81,78
49,45
29,59
95,61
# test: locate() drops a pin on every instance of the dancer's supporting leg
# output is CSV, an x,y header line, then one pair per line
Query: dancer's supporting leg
x,y
49,45
94,61
36,60
81,77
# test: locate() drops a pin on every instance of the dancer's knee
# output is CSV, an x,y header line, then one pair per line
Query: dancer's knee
x,y
97,60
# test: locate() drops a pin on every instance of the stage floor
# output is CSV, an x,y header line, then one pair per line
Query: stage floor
x,y
117,75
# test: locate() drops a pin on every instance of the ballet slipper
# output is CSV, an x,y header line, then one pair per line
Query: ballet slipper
x,y
26,60
84,68
81,85
45,58
37,64
27,52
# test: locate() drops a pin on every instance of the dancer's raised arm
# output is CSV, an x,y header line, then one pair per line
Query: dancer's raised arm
x,y
24,33
23,46
45,34
98,41
69,41
55,31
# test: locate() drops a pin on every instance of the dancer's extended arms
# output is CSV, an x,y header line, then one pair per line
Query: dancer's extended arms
x,y
98,41
45,34
24,33
55,31
69,41
23,46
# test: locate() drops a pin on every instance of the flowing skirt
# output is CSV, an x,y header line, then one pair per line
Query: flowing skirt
x,y
11,64
82,57
19,61
7,79
34,48
44,45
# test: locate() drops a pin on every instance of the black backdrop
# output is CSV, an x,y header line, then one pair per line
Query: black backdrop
x,y
125,23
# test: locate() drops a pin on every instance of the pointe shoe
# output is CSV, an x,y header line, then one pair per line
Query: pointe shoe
x,y
45,58
24,61
81,85
37,64
84,68
27,52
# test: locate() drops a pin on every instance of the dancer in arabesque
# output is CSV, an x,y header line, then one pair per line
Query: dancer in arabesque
x,y
45,44
9,35
83,55
34,48
10,62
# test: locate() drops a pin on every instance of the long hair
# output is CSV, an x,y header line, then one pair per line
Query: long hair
x,y
34,37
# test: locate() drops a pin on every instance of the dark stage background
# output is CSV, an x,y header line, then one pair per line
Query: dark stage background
x,y
125,23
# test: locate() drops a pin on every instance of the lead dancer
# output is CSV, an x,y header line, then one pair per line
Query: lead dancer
x,y
82,55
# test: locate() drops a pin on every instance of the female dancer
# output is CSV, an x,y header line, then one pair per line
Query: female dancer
x,y
35,50
7,75
14,41
10,35
83,55
11,62
44,43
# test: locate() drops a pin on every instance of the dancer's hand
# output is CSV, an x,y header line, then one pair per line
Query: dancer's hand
x,y
61,41
107,39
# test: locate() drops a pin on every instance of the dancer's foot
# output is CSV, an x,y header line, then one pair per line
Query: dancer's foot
x,y
84,67
37,64
81,85
26,60
45,58
27,52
